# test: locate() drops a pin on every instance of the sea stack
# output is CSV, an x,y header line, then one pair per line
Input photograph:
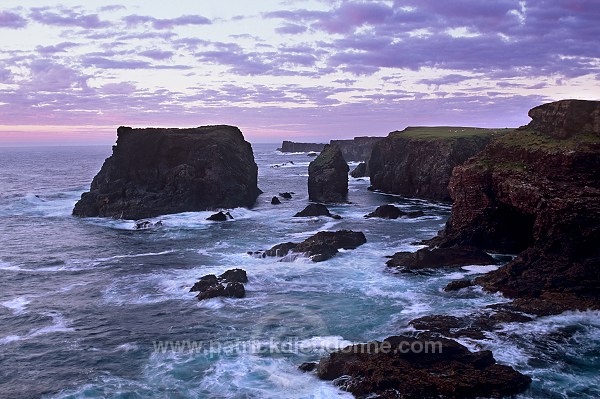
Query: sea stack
x,y
328,176
160,171
535,192
418,161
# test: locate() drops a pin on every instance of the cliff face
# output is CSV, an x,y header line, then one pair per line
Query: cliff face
x,y
159,171
357,149
290,146
418,162
328,176
536,192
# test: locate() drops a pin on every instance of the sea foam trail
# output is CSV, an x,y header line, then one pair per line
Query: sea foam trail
x,y
59,324
17,305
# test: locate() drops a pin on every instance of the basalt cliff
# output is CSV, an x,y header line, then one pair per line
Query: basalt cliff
x,y
159,171
418,161
535,192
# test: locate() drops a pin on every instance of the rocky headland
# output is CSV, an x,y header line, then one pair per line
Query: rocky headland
x,y
159,171
418,161
291,146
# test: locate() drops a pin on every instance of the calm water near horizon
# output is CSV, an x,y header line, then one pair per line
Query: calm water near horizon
x,y
83,302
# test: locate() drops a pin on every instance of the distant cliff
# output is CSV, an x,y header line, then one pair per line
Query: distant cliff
x,y
536,192
290,146
357,149
159,171
418,161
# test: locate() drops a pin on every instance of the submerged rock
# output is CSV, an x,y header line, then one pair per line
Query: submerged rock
x,y
407,367
229,284
328,176
427,258
146,224
220,216
286,195
457,285
386,212
275,201
319,247
316,210
160,171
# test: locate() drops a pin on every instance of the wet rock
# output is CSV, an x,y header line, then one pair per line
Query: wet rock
x,y
360,170
220,216
275,201
458,285
427,258
205,282
395,368
328,176
146,224
386,212
286,195
308,366
312,154
160,171
234,276
210,286
316,210
213,291
281,249
235,290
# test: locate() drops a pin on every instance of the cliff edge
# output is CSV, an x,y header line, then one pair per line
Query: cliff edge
x,y
160,171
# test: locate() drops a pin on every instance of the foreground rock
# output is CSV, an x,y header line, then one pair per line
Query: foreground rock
x,y
316,210
328,176
418,161
319,247
431,258
160,171
397,368
229,284
536,192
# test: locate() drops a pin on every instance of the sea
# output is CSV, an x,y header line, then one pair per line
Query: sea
x,y
92,308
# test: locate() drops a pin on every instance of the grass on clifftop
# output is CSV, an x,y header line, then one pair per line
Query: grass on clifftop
x,y
448,132
528,138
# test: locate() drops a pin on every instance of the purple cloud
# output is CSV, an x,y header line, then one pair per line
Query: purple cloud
x,y
67,17
291,29
58,48
157,55
11,20
157,23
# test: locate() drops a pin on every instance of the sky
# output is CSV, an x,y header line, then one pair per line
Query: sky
x,y
71,72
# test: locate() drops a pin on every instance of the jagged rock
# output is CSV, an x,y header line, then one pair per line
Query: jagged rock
x,y
307,366
328,176
386,212
535,192
146,224
395,368
316,210
159,171
418,161
220,216
360,170
290,146
319,247
275,201
566,118
210,286
458,285
427,258
234,276
286,195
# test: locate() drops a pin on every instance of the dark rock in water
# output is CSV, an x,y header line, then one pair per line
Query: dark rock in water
x,y
535,192
290,146
427,258
146,224
286,195
319,247
234,276
418,161
386,212
316,210
308,366
275,201
210,286
400,367
205,282
458,285
360,170
328,176
312,154
159,171
235,290
220,216
415,214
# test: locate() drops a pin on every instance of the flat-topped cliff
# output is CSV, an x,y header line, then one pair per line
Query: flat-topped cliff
x,y
535,192
290,146
418,161
160,171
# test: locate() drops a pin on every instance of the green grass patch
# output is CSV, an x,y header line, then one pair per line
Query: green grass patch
x,y
449,132
528,138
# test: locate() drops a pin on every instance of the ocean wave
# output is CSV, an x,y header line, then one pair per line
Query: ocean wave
x,y
18,305
59,324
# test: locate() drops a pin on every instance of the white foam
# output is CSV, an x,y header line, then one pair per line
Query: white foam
x,y
476,269
17,305
324,344
59,325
